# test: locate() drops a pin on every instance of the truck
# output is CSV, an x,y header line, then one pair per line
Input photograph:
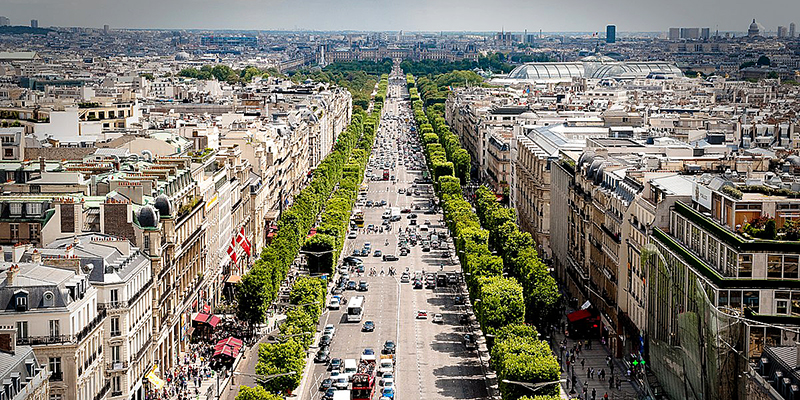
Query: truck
x,y
364,380
394,213
358,217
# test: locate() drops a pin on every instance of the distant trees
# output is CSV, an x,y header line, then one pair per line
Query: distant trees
x,y
763,60
224,73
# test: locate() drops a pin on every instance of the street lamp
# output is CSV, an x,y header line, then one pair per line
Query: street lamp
x,y
533,386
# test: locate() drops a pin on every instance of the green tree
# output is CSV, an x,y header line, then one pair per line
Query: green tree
x,y
501,303
252,298
763,60
256,393
279,358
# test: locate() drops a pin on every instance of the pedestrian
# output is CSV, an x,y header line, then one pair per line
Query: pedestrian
x,y
619,384
611,382
588,373
602,374
592,374
594,393
605,396
583,362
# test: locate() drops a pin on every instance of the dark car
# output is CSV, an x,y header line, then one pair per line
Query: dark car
x,y
460,301
363,286
369,326
326,384
329,394
389,347
377,253
417,284
325,340
335,364
351,260
323,356
389,257
351,285
470,341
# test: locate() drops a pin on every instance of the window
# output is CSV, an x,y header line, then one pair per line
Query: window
x,y
750,299
116,384
781,302
33,208
22,301
33,230
790,263
8,153
115,331
14,230
745,265
16,208
146,243
115,354
774,266
55,368
22,329
55,329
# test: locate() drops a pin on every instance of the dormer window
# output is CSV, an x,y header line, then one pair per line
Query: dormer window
x,y
48,299
21,300
33,208
15,208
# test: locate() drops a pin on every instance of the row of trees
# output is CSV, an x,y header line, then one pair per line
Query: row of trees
x,y
359,77
224,73
499,289
434,90
493,62
324,248
259,286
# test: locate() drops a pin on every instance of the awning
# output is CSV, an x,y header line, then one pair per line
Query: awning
x,y
200,317
229,347
578,315
213,321
233,279
207,309
203,318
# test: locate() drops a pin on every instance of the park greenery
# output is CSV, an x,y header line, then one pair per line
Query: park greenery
x,y
259,287
493,62
506,281
224,73
359,77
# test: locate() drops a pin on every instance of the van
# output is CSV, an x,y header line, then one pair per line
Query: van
x,y
350,368
386,366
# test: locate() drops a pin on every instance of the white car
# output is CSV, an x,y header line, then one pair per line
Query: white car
x,y
438,318
334,304
386,366
352,235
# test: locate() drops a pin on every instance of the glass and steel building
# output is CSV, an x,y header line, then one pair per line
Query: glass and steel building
x,y
592,67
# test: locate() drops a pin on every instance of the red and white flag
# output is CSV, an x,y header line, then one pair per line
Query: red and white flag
x,y
232,250
244,241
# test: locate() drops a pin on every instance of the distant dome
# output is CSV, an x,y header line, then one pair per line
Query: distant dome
x,y
148,217
794,160
755,29
182,56
163,205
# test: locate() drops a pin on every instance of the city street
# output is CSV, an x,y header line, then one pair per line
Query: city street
x,y
432,361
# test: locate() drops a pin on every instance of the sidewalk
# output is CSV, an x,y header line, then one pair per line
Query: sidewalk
x,y
594,358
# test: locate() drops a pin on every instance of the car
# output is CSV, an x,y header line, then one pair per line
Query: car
x,y
325,340
405,278
369,326
422,314
337,290
367,245
335,364
464,318
369,203
438,318
417,284
377,253
351,285
363,286
341,383
364,252
389,347
412,222
387,392
368,352
334,304
323,356
326,384
360,268
386,378
430,284
405,210
352,235
459,300
470,341
401,190
383,202
389,257
426,248
329,329
403,251
329,394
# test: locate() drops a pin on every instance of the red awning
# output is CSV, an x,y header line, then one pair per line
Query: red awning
x,y
207,309
201,317
229,347
213,321
578,315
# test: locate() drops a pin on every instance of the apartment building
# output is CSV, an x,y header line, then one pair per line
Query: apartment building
x,y
24,377
55,311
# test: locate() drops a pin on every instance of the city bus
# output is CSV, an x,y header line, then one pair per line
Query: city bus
x,y
355,309
386,174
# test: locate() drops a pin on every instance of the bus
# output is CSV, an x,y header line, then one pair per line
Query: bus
x,y
386,174
355,309
358,217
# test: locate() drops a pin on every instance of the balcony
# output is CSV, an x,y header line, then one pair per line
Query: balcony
x,y
116,366
101,315
57,376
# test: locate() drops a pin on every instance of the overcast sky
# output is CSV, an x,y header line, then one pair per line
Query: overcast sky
x,y
408,15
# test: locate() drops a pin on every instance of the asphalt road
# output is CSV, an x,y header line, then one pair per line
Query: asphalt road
x,y
432,362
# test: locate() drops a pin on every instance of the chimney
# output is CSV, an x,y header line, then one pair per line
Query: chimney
x,y
10,273
36,257
42,168
8,339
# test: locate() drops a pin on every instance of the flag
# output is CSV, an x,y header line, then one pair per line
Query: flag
x,y
244,242
232,250
154,379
